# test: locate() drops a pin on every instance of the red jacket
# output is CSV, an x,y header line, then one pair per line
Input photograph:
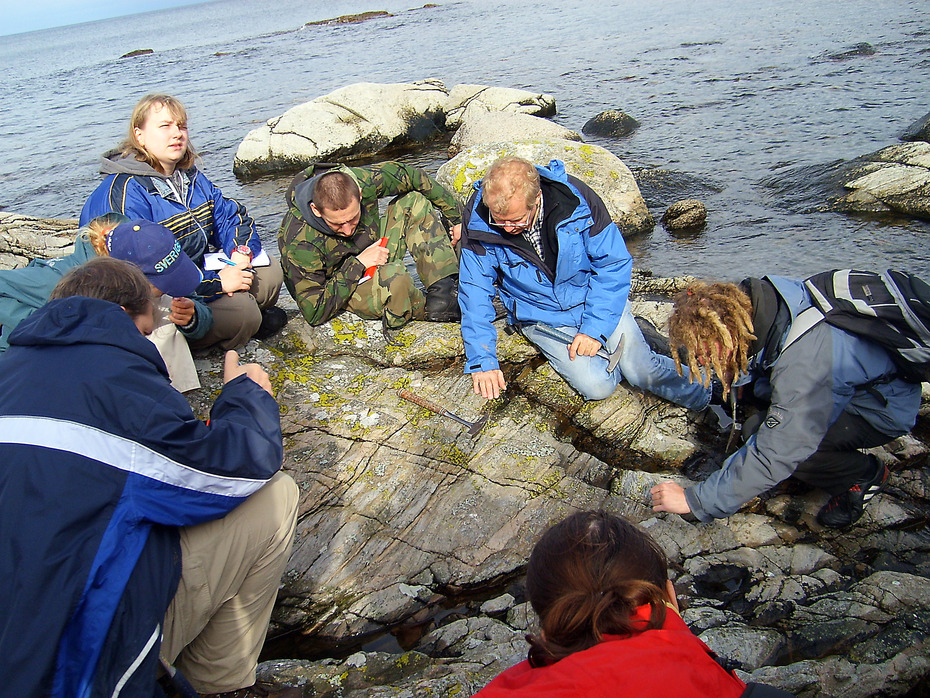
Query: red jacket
x,y
670,661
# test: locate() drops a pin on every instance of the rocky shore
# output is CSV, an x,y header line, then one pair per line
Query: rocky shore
x,y
411,527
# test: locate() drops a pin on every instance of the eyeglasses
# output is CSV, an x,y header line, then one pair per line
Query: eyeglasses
x,y
518,225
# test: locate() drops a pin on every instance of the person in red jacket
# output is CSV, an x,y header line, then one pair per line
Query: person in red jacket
x,y
608,620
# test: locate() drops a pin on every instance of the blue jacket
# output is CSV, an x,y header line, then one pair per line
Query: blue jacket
x,y
198,214
586,288
100,461
810,384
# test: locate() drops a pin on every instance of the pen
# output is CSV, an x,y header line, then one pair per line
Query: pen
x,y
227,261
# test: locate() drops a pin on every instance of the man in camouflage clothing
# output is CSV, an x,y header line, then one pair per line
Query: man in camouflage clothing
x,y
330,235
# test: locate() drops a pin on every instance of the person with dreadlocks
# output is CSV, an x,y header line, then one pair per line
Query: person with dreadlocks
x,y
829,394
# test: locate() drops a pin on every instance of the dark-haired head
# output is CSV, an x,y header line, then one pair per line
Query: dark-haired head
x,y
335,191
586,577
113,280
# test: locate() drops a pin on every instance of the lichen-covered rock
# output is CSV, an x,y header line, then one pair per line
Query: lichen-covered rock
x,y
501,127
610,124
685,215
466,101
601,170
896,179
351,19
354,121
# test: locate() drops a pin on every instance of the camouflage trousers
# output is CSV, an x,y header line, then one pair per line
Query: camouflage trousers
x,y
411,223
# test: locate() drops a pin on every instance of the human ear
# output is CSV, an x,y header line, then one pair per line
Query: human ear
x,y
672,596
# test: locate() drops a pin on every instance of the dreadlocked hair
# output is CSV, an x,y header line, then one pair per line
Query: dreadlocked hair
x,y
713,323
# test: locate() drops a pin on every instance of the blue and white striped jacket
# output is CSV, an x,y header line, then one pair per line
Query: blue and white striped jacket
x,y
100,461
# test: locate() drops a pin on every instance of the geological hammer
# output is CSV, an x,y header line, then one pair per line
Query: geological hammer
x,y
473,427
613,357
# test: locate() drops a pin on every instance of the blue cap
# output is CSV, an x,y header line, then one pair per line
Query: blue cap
x,y
153,248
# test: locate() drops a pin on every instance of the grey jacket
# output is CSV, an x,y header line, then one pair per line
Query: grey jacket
x,y
811,383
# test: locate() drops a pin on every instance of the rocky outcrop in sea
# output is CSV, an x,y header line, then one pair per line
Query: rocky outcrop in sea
x,y
894,180
413,535
366,119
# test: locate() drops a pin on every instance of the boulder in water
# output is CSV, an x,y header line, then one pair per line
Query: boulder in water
x,y
611,124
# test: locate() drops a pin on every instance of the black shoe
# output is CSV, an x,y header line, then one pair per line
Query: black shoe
x,y
273,319
845,509
442,301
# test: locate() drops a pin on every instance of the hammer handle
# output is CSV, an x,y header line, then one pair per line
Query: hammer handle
x,y
421,401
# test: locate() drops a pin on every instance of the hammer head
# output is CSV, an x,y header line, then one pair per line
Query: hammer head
x,y
477,426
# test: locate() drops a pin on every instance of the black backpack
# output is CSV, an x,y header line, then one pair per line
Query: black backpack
x,y
891,309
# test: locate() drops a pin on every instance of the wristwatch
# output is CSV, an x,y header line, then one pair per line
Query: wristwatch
x,y
246,250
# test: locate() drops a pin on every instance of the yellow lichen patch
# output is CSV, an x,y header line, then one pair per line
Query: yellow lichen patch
x,y
296,365
549,484
400,383
356,385
400,341
454,455
348,332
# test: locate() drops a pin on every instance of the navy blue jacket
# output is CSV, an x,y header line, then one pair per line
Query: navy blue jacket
x,y
100,461
587,289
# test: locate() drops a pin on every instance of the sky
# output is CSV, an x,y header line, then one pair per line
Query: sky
x,y
44,14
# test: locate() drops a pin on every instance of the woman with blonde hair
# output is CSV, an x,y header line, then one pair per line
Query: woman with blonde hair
x,y
609,623
153,176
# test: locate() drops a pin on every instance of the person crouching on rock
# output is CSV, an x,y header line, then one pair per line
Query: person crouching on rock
x,y
153,177
608,621
331,251
129,528
830,393
544,241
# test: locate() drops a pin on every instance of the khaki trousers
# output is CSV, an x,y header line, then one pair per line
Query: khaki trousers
x,y
237,317
230,572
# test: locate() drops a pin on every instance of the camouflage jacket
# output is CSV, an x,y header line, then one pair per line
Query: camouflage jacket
x,y
321,269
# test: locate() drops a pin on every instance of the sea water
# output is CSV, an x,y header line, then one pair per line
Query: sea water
x,y
750,107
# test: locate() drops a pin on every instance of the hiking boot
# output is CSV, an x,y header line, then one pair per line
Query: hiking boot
x,y
273,319
845,508
259,689
442,301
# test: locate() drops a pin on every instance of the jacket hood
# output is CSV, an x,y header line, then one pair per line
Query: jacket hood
x,y
114,162
79,320
303,195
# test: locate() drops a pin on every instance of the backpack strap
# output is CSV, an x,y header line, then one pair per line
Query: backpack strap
x,y
802,324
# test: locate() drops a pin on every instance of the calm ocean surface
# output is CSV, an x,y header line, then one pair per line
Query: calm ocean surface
x,y
743,105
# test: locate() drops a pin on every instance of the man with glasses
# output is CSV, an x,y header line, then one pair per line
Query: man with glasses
x,y
338,253
545,240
